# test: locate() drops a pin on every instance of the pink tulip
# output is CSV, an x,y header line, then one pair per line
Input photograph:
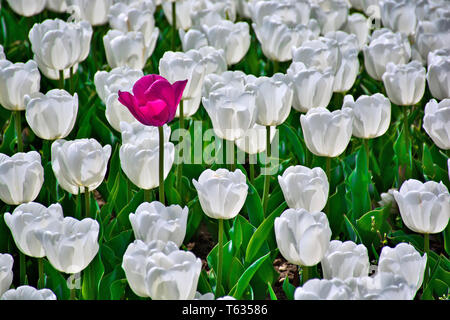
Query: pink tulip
x,y
155,100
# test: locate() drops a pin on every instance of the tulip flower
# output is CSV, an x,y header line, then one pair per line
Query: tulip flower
x,y
70,245
399,15
424,207
6,273
53,115
210,296
286,11
431,35
312,87
323,289
27,8
384,47
154,103
182,13
222,195
21,177
193,39
128,48
2,53
59,6
371,115
405,83
154,221
331,14
94,11
237,79
213,59
345,260
436,122
305,188
58,46
302,237
404,260
383,286
326,133
138,16
161,271
80,165
28,293
208,12
255,139
321,54
357,24
107,85
438,76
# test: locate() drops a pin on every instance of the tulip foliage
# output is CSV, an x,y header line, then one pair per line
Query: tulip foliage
x,y
196,149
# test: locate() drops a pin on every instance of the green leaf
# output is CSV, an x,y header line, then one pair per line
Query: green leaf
x,y
212,259
107,281
358,183
262,234
288,289
403,152
371,222
337,209
294,141
118,289
352,231
272,294
238,290
236,271
92,276
56,282
254,206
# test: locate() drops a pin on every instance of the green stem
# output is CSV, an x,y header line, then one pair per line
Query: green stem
x,y
306,274
18,125
266,177
426,245
129,191
219,260
87,195
327,207
252,172
41,281
73,293
180,165
174,24
403,167
232,162
366,147
147,195
161,165
61,79
23,268
275,66
71,88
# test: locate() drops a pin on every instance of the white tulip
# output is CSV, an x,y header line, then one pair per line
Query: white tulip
x,y
70,245
312,88
345,260
16,81
27,8
436,122
59,45
94,11
432,35
53,115
116,112
120,78
161,271
302,237
432,10
28,293
221,193
28,218
232,111
183,12
357,24
424,207
2,53
399,15
21,177
326,133
404,260
154,221
57,5
331,14
438,76
323,289
273,99
208,12
383,286
321,54
233,38
371,115
277,38
192,39
237,79
79,164
285,11
384,47
135,17
6,273
305,188
213,59
139,154
405,83
255,139
128,49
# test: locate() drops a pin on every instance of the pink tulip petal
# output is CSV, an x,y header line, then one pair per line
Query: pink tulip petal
x,y
156,111
160,89
143,84
129,101
178,88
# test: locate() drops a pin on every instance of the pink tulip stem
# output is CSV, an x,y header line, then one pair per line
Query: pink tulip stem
x,y
180,165
219,260
161,164
265,198
174,24
41,281
18,125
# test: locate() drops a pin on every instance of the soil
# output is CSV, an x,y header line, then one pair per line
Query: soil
x,y
201,245
285,269
98,197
